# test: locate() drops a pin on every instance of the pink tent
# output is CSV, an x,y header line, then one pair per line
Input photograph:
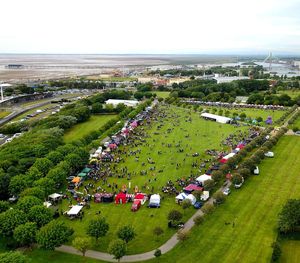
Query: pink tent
x,y
134,124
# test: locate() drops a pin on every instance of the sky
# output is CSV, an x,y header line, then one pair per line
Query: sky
x,y
150,26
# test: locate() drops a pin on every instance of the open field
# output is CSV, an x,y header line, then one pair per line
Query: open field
x,y
162,94
202,135
4,114
295,124
111,79
78,131
252,113
253,209
290,251
291,93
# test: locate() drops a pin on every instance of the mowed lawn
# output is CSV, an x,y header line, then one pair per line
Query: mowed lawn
x,y
202,135
290,251
3,114
254,210
252,113
94,123
162,94
292,93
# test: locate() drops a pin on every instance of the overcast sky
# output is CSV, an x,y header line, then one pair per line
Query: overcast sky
x,y
149,26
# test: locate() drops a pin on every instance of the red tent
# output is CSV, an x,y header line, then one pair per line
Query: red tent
x,y
240,146
139,196
121,198
223,160
193,187
228,176
112,146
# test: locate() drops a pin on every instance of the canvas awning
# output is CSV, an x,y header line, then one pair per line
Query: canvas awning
x,y
54,196
76,180
74,210
86,170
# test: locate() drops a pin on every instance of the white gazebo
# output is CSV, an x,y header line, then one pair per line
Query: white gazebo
x,y
75,210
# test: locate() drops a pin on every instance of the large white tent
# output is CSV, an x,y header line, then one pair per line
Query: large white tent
x,y
154,200
217,118
180,197
74,211
202,178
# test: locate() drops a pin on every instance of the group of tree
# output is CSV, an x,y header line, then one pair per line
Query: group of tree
x,y
289,217
77,84
269,99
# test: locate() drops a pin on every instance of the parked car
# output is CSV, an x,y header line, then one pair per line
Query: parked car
x,y
226,191
297,133
269,154
256,171
174,225
136,205
198,205
237,186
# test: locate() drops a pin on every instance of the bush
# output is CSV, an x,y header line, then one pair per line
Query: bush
x,y
219,197
174,216
157,253
276,251
183,235
208,208
198,220
158,231
186,204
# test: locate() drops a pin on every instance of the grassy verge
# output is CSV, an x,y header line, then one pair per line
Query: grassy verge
x,y
290,251
253,209
3,114
80,130
202,135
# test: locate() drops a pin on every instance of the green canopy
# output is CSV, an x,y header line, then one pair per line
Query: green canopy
x,y
86,170
82,175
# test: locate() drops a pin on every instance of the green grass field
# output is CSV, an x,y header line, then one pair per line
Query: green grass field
x,y
162,94
291,93
290,251
3,114
112,79
296,124
252,113
203,135
94,123
254,209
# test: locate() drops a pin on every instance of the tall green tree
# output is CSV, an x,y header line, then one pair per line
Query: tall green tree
x,y
97,227
13,257
10,219
25,234
126,233
40,214
117,248
53,235
82,244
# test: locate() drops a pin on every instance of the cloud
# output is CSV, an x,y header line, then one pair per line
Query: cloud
x,y
144,26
